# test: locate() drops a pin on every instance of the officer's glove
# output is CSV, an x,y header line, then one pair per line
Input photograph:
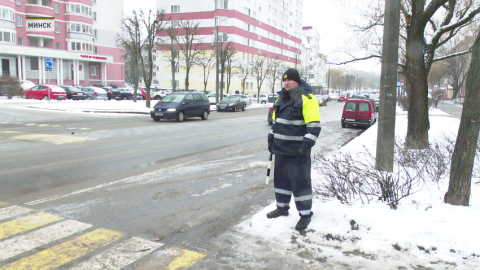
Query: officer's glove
x,y
270,147
303,151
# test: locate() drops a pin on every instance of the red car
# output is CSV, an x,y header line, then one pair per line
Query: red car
x,y
44,91
359,112
343,96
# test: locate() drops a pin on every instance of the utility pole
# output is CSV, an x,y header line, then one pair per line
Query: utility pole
x,y
388,86
216,54
328,80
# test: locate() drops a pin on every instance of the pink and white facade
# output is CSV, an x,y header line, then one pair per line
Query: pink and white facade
x,y
271,28
82,45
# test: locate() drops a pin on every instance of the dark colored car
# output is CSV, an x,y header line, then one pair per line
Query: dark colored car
x,y
44,91
181,105
358,112
269,117
322,100
272,98
74,93
125,93
232,103
111,92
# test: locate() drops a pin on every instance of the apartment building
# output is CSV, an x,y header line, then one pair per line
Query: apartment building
x,y
78,47
270,28
314,69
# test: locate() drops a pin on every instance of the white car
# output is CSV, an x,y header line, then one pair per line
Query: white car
x,y
26,85
263,98
333,96
212,98
244,97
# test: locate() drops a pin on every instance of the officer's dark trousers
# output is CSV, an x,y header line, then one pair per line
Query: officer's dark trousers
x,y
292,175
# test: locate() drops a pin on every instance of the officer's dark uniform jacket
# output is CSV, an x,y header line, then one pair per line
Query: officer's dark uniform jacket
x,y
296,121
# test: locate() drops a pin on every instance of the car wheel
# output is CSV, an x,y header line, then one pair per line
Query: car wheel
x,y
235,109
343,125
205,115
245,106
24,96
123,98
157,97
45,97
264,102
89,98
156,119
180,116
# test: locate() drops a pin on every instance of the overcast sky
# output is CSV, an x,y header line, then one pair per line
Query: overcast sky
x,y
326,16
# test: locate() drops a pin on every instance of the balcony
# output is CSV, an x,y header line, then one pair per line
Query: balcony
x,y
39,7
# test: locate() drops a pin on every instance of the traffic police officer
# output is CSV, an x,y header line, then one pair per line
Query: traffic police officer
x,y
295,129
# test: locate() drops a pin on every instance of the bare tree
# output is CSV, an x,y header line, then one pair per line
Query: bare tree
x,y
464,153
229,71
226,52
131,42
425,27
243,72
260,70
189,45
206,60
169,44
275,69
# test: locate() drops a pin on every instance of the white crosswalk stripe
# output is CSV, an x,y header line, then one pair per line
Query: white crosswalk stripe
x,y
13,211
29,241
119,256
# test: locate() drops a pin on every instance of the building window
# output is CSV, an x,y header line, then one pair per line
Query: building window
x,y
19,21
95,16
175,9
78,8
57,8
221,4
95,50
34,63
94,70
58,46
20,40
79,27
19,2
57,27
95,33
7,14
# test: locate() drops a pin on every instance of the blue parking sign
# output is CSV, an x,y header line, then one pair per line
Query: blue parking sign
x,y
48,63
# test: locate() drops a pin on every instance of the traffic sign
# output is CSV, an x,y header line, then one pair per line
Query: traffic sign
x,y
48,63
398,84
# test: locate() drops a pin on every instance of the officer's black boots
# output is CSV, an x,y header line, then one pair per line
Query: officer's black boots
x,y
303,223
278,212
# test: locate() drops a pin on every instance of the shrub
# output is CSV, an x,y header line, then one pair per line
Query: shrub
x,y
10,86
403,102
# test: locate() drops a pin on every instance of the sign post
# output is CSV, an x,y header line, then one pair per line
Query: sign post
x,y
48,67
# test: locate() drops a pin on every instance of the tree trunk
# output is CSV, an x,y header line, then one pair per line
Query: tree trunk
x,y
416,79
464,154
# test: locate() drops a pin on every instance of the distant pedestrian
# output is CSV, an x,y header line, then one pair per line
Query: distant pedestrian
x,y
436,101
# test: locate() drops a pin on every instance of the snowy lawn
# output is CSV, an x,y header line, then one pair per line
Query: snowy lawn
x,y
422,232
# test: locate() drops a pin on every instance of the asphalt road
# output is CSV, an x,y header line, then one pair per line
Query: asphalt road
x,y
183,184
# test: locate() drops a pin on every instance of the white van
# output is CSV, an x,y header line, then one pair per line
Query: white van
x,y
263,98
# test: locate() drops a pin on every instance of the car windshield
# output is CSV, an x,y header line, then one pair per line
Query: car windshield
x,y
343,94
172,98
231,98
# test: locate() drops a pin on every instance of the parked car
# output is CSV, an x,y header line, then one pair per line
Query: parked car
x,y
26,85
322,101
247,99
111,92
358,112
74,93
343,96
125,93
44,91
159,93
374,94
327,97
269,116
232,103
94,93
212,98
180,106
272,98
263,98
333,96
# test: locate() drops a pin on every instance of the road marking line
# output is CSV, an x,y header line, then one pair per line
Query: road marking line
x,y
56,197
55,139
2,204
23,243
26,223
66,252
186,259
9,132
120,255
13,211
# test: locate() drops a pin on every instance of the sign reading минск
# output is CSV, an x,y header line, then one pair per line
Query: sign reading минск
x,y
40,24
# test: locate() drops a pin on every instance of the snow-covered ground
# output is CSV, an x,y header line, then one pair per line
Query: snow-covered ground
x,y
423,233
